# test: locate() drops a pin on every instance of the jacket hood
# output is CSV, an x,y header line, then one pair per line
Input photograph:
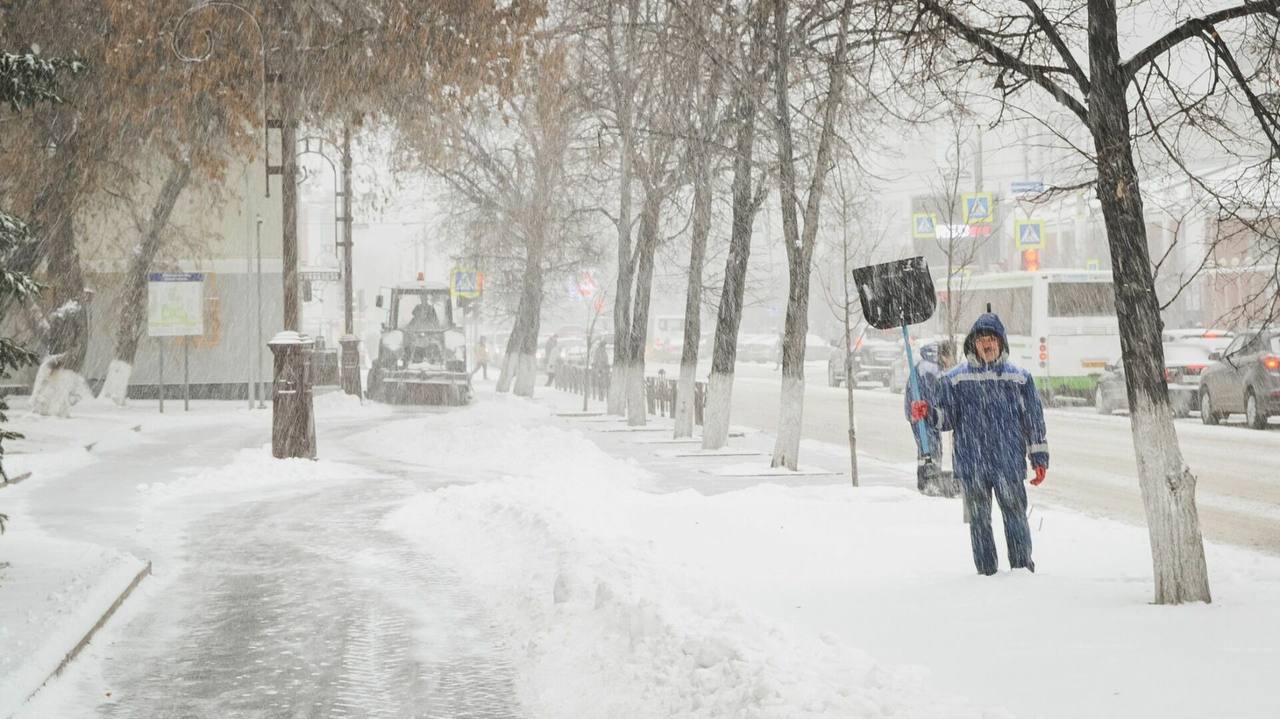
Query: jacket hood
x,y
929,352
987,322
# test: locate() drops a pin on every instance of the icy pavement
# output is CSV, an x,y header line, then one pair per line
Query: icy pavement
x,y
300,606
277,595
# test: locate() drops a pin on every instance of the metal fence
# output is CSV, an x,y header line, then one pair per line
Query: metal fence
x,y
659,391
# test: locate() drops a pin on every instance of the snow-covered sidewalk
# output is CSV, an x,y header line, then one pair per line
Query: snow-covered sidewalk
x,y
588,572
64,570
640,583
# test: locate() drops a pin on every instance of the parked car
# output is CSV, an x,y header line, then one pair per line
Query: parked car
x,y
873,360
1243,378
570,351
757,348
1184,365
1211,339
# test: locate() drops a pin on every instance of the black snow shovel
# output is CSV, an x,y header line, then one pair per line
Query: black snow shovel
x,y
897,294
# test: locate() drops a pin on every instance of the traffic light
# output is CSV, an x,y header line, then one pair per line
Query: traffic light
x,y
1031,260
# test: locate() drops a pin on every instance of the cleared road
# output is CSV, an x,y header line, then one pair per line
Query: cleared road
x,y
1092,465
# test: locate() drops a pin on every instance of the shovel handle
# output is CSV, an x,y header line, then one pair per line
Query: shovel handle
x,y
914,381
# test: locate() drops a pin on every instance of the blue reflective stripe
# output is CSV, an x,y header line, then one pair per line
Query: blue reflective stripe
x,y
1015,377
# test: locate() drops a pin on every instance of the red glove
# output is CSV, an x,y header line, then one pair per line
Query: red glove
x,y
1039,476
919,410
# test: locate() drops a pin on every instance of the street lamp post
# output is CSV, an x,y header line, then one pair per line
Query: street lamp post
x,y
350,357
258,389
350,343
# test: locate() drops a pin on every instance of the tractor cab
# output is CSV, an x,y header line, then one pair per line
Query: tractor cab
x,y
422,355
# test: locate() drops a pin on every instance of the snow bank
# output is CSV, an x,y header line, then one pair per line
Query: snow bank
x,y
53,591
606,622
56,390
116,386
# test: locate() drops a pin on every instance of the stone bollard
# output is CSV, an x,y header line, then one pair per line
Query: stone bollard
x,y
293,422
350,364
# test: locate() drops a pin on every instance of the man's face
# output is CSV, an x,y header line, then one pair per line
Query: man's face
x,y
988,347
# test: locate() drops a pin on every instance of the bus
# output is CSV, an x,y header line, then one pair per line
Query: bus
x,y
667,339
1061,324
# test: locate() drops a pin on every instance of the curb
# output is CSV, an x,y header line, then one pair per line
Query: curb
x,y
88,637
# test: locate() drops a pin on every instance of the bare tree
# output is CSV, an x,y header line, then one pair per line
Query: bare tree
x,y
749,67
511,168
800,227
957,247
706,46
849,250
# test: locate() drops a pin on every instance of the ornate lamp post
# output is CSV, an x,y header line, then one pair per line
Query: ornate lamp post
x,y
350,343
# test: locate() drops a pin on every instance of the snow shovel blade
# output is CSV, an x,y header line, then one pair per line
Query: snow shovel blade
x,y
896,293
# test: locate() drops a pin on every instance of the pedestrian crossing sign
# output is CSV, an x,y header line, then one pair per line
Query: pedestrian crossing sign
x,y
466,284
979,208
923,225
1029,234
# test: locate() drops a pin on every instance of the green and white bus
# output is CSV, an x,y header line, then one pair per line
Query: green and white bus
x,y
1061,323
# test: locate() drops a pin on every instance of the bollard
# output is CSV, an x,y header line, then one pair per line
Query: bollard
x,y
293,423
350,364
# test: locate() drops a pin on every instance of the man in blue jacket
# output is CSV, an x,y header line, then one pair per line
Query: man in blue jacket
x,y
995,412
935,358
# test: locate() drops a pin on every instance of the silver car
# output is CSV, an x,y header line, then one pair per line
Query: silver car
x,y
1184,364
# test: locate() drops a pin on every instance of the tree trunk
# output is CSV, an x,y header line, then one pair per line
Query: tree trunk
x,y
616,402
637,408
1167,484
693,297
529,320
800,241
133,304
512,354
59,383
848,368
715,430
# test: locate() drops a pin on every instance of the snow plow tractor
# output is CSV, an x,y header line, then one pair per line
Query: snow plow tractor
x,y
422,354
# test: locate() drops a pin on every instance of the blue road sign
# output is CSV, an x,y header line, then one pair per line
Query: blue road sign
x,y
923,225
1029,234
978,207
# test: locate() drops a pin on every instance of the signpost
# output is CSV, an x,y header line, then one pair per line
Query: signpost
x,y
923,225
978,208
175,308
467,284
1029,234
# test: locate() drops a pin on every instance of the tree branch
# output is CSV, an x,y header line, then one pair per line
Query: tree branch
x,y
1055,37
1002,58
1191,28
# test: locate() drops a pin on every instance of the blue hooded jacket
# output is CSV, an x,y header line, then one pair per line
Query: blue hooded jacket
x,y
994,411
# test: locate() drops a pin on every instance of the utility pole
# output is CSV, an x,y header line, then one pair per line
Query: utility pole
x,y
284,84
289,198
293,425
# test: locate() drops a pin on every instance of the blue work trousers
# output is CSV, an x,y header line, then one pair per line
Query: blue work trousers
x,y
1011,494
